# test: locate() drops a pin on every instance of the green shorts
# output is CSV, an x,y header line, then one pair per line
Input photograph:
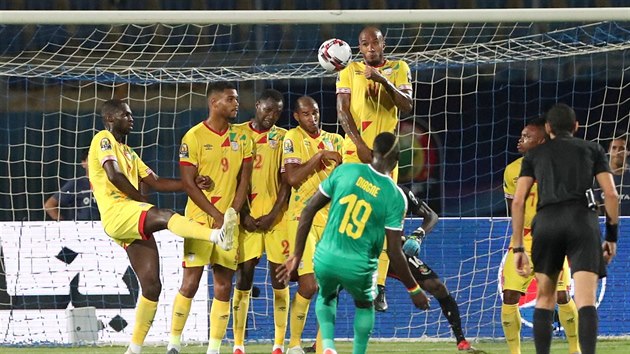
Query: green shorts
x,y
355,279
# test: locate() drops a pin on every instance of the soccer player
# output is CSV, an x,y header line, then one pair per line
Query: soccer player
x,y
115,173
566,223
262,223
370,95
618,151
354,236
426,277
74,201
224,152
515,285
309,156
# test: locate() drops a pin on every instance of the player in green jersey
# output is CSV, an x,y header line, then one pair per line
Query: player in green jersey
x,y
364,201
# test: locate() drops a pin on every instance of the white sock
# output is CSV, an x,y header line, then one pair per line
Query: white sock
x,y
135,349
241,347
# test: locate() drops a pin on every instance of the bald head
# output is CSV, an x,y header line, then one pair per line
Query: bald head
x,y
372,46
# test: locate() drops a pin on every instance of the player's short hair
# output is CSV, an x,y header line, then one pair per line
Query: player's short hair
x,y
111,107
219,86
561,118
302,99
84,154
621,135
386,145
271,94
538,122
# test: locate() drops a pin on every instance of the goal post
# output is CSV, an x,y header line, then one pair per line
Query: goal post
x,y
478,76
317,17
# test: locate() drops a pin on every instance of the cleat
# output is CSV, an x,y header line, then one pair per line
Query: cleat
x,y
311,349
172,351
330,351
380,303
238,351
295,350
277,351
225,236
464,346
129,351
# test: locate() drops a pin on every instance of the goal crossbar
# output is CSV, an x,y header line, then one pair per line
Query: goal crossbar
x,y
316,16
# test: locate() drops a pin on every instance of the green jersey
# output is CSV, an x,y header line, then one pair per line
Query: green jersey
x,y
363,204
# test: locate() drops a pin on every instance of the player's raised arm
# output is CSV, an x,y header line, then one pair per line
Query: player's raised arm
x,y
350,127
399,264
317,202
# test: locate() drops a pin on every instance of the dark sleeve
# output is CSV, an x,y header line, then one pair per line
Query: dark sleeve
x,y
67,194
527,167
413,205
600,162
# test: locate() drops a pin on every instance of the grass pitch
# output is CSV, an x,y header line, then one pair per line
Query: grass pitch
x,y
490,347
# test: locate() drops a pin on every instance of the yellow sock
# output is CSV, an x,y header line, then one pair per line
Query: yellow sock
x,y
383,265
181,309
299,311
240,305
219,316
188,228
511,322
568,314
145,313
280,314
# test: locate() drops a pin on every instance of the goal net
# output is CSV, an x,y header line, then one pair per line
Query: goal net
x,y
475,85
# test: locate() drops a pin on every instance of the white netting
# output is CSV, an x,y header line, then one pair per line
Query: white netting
x,y
475,84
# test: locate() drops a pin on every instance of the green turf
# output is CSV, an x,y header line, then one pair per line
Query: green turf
x,y
559,346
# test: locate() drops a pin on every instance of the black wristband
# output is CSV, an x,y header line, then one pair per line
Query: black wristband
x,y
518,249
612,232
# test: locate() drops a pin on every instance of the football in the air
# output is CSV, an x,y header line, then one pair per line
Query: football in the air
x,y
334,54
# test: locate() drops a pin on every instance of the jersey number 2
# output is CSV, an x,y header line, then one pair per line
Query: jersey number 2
x,y
355,217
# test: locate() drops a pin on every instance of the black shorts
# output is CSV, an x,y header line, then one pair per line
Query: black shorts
x,y
419,270
570,229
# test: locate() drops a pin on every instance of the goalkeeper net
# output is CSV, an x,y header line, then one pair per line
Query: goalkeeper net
x,y
475,85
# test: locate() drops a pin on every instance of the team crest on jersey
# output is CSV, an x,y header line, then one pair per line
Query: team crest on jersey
x,y
183,151
288,146
329,145
106,144
234,145
273,144
387,71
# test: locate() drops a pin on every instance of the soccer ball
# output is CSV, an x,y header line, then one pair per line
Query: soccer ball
x,y
334,54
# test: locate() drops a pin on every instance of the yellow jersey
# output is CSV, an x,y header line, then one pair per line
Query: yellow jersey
x,y
510,176
371,107
218,155
298,148
103,148
266,168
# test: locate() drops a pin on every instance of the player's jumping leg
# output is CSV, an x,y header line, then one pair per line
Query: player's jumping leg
x,y
181,306
567,311
240,302
280,306
380,302
363,326
144,259
187,228
307,287
220,308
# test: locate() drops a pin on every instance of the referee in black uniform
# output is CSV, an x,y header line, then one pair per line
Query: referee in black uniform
x,y
566,223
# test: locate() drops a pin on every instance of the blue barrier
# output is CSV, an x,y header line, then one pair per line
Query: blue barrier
x,y
467,254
